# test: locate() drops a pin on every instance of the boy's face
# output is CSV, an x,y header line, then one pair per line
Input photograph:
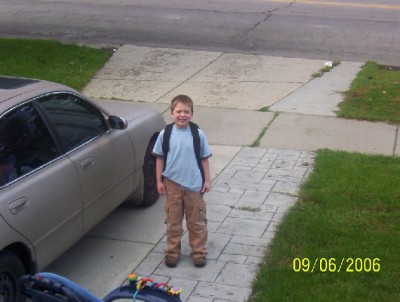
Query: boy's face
x,y
181,115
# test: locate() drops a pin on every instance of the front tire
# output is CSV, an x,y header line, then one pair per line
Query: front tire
x,y
11,269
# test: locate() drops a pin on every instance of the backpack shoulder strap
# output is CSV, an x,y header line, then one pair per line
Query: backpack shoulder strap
x,y
196,146
196,138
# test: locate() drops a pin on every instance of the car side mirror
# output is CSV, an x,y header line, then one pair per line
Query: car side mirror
x,y
117,122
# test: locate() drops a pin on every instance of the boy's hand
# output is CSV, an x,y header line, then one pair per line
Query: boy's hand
x,y
206,187
160,188
159,170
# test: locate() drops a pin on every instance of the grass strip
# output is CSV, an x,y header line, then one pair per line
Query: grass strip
x,y
374,95
349,208
69,64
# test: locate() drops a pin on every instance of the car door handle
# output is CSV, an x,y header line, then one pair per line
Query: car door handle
x,y
18,205
87,163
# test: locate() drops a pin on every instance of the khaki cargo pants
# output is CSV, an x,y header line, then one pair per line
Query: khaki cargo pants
x,y
179,203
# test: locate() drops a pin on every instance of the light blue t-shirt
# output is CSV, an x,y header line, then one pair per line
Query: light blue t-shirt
x,y
181,166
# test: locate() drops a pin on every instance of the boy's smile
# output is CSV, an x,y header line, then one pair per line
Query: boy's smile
x,y
181,115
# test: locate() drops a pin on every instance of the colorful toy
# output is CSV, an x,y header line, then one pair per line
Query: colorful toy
x,y
49,287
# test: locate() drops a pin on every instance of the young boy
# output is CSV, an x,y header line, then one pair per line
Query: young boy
x,y
182,182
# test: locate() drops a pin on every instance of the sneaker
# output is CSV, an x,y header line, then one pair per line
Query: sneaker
x,y
200,262
171,261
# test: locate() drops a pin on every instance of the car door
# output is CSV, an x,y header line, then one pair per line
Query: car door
x,y
102,156
40,190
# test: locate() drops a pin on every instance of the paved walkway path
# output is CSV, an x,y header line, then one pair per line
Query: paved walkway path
x,y
248,200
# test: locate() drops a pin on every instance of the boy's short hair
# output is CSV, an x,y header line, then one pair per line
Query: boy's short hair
x,y
183,99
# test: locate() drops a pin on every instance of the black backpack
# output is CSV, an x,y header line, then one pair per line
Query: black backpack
x,y
194,128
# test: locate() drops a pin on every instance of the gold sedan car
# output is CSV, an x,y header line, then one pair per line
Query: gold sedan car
x,y
65,163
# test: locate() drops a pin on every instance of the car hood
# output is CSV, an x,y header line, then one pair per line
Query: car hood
x,y
128,110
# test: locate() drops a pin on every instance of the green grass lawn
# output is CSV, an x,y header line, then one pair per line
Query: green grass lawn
x,y
349,208
68,64
374,95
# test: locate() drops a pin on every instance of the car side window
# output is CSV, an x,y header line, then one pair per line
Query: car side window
x,y
25,143
75,120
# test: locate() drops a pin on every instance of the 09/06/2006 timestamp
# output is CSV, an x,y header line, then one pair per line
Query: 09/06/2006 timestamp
x,y
336,265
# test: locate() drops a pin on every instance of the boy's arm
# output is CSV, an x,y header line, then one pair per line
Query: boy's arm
x,y
207,181
159,171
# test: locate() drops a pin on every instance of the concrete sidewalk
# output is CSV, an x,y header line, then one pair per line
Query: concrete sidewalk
x,y
229,90
252,187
